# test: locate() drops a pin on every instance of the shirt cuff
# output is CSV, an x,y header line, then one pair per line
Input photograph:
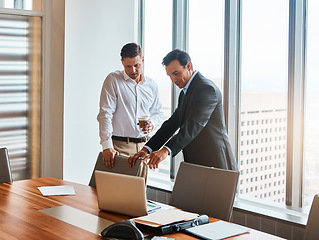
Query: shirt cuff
x,y
169,150
107,144
148,148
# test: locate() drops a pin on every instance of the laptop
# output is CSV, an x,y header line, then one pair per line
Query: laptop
x,y
120,166
120,193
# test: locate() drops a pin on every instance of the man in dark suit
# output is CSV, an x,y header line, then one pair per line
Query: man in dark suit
x,y
199,118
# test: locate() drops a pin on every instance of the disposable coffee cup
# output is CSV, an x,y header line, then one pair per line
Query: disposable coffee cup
x,y
142,121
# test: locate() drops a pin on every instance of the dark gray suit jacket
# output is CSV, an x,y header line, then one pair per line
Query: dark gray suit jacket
x,y
202,133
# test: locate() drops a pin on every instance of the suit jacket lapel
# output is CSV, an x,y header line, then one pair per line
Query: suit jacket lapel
x,y
184,104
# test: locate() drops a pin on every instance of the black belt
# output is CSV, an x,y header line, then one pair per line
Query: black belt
x,y
128,139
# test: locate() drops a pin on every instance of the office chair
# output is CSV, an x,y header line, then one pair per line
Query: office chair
x,y
120,166
205,190
312,229
5,170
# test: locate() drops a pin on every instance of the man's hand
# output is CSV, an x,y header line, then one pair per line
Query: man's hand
x,y
141,154
108,157
148,127
156,157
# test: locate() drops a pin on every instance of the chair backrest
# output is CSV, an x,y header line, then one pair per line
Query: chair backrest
x,y
205,190
5,170
120,166
312,228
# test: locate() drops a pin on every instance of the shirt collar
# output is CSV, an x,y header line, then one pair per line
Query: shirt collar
x,y
189,82
126,77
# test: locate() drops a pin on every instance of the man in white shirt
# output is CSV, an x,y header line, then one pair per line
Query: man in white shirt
x,y
126,96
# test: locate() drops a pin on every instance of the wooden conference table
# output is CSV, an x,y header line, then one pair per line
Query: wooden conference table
x,y
20,217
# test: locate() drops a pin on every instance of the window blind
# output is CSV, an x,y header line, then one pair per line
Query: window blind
x,y
14,93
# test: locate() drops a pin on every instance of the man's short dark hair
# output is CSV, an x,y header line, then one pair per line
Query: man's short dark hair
x,y
131,50
177,54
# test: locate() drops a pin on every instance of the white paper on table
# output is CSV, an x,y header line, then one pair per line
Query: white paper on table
x,y
57,190
167,217
217,230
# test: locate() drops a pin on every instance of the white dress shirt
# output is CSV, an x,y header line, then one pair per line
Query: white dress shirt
x,y
122,101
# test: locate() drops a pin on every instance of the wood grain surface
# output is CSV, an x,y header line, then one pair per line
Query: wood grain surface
x,y
20,218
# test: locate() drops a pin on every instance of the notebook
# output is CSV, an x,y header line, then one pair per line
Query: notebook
x,y
217,230
120,166
121,193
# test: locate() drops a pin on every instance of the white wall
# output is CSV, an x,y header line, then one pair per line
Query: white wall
x,y
95,32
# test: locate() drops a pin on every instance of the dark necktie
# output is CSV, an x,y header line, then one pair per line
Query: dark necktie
x,y
181,99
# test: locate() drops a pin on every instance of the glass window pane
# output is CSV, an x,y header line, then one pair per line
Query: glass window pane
x,y
206,38
158,42
263,115
311,140
35,5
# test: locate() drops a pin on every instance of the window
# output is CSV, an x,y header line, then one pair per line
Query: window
x,y
206,44
22,4
264,47
155,48
258,46
311,152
